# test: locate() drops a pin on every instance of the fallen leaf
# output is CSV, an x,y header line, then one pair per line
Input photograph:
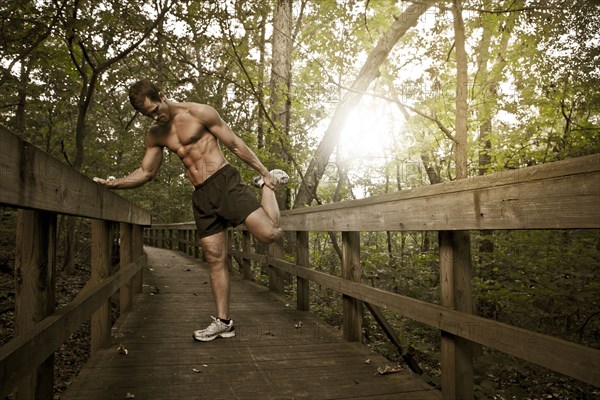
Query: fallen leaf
x,y
196,370
122,350
368,361
388,370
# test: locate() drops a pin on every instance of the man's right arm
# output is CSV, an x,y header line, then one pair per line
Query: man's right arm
x,y
147,171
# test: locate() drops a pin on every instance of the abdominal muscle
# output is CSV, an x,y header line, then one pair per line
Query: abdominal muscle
x,y
201,160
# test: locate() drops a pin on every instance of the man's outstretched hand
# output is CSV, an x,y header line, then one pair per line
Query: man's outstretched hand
x,y
103,181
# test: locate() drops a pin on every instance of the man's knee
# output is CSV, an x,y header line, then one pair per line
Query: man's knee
x,y
213,252
271,236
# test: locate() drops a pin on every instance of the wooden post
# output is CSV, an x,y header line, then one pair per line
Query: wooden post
x,y
246,248
188,242
35,281
101,257
351,270
302,259
125,258
196,243
455,284
138,251
276,276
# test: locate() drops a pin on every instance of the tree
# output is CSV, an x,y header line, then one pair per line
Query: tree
x,y
369,71
281,80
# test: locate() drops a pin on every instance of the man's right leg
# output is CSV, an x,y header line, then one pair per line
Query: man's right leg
x,y
215,249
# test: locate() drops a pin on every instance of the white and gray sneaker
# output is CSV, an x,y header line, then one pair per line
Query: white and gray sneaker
x,y
278,177
216,329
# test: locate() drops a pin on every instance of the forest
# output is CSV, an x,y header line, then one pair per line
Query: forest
x,y
353,98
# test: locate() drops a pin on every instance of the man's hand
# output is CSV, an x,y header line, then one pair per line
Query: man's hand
x,y
104,182
267,181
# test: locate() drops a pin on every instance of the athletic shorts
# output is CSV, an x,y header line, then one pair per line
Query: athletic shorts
x,y
222,201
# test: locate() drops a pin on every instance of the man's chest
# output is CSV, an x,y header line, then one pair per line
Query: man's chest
x,y
184,133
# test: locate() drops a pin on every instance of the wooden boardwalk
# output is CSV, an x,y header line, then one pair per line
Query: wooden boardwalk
x,y
268,359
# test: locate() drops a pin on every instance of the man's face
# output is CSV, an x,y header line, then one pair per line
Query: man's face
x,y
156,110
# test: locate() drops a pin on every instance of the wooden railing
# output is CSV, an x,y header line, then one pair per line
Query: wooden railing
x,y
560,195
42,187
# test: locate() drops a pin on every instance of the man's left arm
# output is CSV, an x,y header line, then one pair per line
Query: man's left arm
x,y
219,128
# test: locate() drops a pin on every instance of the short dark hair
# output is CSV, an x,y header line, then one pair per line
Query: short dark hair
x,y
142,89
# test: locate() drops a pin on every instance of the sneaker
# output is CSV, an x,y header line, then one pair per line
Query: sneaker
x,y
216,329
278,177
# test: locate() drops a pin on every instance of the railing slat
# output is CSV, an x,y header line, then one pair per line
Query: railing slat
x,y
549,196
456,294
125,257
352,271
303,259
559,355
30,349
101,265
35,268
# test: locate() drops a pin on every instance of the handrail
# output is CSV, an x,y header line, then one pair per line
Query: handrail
x,y
559,195
41,187
31,178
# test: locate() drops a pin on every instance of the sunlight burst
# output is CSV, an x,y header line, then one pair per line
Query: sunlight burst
x,y
368,133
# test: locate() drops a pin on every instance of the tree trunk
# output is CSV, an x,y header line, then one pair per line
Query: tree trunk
x,y
462,89
20,124
488,80
260,131
281,68
351,99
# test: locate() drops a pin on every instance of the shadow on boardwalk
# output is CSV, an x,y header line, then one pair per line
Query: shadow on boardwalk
x,y
269,358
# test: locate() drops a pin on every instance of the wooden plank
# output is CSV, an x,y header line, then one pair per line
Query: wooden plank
x,y
559,355
351,270
456,294
137,248
31,178
35,275
100,269
28,350
276,276
246,248
560,195
303,259
542,172
268,358
125,258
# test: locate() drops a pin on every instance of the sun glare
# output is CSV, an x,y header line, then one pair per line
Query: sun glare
x,y
368,133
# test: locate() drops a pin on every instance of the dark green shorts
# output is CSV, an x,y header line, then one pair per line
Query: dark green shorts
x,y
222,201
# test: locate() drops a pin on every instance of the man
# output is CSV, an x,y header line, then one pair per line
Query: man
x,y
193,132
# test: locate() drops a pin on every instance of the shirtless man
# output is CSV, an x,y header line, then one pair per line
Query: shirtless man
x,y
193,131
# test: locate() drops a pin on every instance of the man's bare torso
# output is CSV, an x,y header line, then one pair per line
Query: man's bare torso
x,y
187,135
